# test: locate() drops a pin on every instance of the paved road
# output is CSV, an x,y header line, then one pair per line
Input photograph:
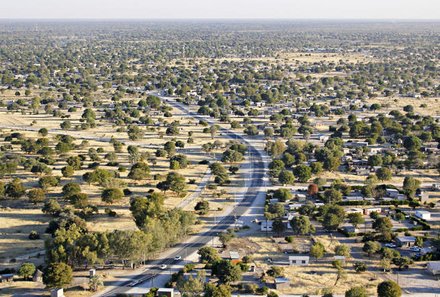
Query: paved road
x,y
245,200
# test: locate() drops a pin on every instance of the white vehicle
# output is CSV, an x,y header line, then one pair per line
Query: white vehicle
x,y
415,249
390,245
163,266
177,258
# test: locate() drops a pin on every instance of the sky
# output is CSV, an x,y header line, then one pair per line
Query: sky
x,y
188,9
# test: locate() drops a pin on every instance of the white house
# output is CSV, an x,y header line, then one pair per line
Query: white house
x,y
266,225
368,211
393,193
433,267
423,214
299,260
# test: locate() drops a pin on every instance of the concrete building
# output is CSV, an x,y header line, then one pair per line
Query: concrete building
x,y
299,260
405,241
266,225
282,283
423,214
433,267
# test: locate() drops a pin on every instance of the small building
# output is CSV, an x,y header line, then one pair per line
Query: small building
x,y
423,214
405,241
92,272
57,292
433,267
282,283
38,276
233,255
354,210
266,225
393,193
5,278
435,187
299,260
350,229
168,292
368,211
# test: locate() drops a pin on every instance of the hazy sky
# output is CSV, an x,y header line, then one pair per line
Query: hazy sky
x,y
291,9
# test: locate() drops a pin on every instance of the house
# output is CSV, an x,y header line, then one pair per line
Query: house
x,y
5,278
140,292
433,267
405,241
423,214
435,187
57,293
266,225
282,283
299,260
38,276
354,210
233,255
368,211
168,292
393,193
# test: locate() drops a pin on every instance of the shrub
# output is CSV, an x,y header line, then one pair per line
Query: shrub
x,y
34,235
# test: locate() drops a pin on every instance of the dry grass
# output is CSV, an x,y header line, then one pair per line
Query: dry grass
x,y
432,104
319,276
16,226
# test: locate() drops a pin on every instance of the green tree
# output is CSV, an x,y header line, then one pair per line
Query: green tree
x,y
371,247
282,195
356,219
278,226
342,250
139,171
222,290
57,275
26,270
67,171
332,196
226,271
112,195
303,173
356,292
208,255
301,225
70,189
384,173
402,262
36,195
15,189
410,186
388,289
286,177
332,216
317,250
95,282
174,182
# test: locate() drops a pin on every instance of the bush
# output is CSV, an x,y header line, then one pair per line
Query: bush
x,y
26,270
112,195
388,289
289,239
34,235
110,213
360,267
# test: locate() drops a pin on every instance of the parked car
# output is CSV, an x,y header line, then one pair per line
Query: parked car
x,y
390,245
163,266
415,249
